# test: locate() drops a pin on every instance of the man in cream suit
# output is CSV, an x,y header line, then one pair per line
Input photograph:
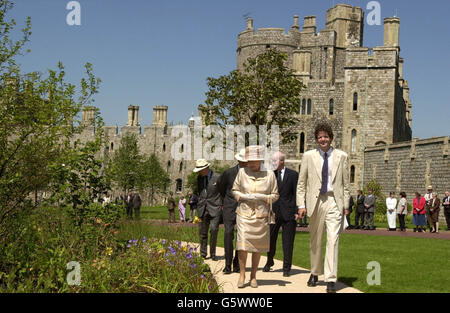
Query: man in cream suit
x,y
323,194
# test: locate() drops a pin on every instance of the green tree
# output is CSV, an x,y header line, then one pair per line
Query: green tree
x,y
265,92
38,118
125,165
153,177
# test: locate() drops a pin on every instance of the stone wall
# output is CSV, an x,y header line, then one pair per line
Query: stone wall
x,y
410,166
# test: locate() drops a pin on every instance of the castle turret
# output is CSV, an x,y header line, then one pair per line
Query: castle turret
x,y
88,116
133,115
309,24
348,23
160,115
391,31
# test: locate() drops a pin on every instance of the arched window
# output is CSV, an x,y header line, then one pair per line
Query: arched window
x,y
355,101
179,185
182,148
331,108
302,143
164,147
112,146
353,140
380,143
303,106
181,166
308,110
352,174
168,165
165,130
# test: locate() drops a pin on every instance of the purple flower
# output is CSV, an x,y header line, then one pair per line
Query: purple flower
x,y
163,242
189,256
202,276
128,245
193,265
172,250
171,263
144,239
130,241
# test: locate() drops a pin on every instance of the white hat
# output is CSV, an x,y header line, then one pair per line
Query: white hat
x,y
429,187
200,164
240,156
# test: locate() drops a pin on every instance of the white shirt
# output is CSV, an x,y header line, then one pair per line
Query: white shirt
x,y
330,166
391,203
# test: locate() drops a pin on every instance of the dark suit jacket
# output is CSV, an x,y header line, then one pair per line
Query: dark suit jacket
x,y
285,207
352,203
360,204
210,198
225,185
136,201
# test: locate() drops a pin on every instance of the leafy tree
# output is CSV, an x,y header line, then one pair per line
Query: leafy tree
x,y
153,177
38,118
265,92
125,165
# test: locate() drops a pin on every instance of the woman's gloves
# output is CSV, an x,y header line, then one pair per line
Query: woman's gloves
x,y
254,197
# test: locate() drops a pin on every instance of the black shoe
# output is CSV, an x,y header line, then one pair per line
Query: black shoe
x,y
357,227
214,258
371,228
286,274
267,267
227,270
312,282
331,287
415,229
236,269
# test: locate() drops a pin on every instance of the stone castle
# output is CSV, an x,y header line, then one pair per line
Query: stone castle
x,y
360,90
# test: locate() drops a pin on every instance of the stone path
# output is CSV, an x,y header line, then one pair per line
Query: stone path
x,y
271,282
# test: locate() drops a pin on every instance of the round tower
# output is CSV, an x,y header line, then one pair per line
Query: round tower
x,y
251,44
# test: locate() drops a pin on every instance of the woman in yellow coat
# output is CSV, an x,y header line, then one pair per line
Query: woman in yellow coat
x,y
255,190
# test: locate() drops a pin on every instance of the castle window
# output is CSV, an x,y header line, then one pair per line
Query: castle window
x,y
352,174
302,143
308,110
331,108
380,143
164,147
267,46
181,166
353,140
355,101
168,165
182,148
112,146
165,130
303,106
179,185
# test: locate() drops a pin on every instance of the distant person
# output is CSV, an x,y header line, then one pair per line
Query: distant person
x,y
360,208
182,209
402,211
136,203
129,204
446,205
391,211
350,210
193,202
369,211
428,196
419,213
171,207
435,207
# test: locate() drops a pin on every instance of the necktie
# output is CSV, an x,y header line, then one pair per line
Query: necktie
x,y
323,189
279,178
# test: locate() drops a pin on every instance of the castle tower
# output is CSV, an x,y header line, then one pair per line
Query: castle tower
x,y
348,23
88,116
160,115
391,32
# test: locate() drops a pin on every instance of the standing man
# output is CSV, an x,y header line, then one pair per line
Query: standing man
x,y
428,197
209,206
323,192
350,210
446,205
229,211
136,205
369,211
360,208
193,201
171,207
285,210
129,204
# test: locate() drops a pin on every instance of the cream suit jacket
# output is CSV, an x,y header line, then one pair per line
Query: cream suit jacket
x,y
310,180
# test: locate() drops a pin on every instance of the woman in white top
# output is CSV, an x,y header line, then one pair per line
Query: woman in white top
x,y
402,210
391,212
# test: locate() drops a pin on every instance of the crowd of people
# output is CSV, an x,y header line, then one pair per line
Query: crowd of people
x,y
425,211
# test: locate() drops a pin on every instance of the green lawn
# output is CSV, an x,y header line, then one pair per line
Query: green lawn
x,y
408,264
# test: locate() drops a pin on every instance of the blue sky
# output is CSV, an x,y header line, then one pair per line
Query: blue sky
x,y
155,52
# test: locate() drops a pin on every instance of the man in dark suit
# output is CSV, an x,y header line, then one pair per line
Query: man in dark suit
x,y
229,211
209,207
136,205
285,210
359,214
369,212
129,203
350,210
